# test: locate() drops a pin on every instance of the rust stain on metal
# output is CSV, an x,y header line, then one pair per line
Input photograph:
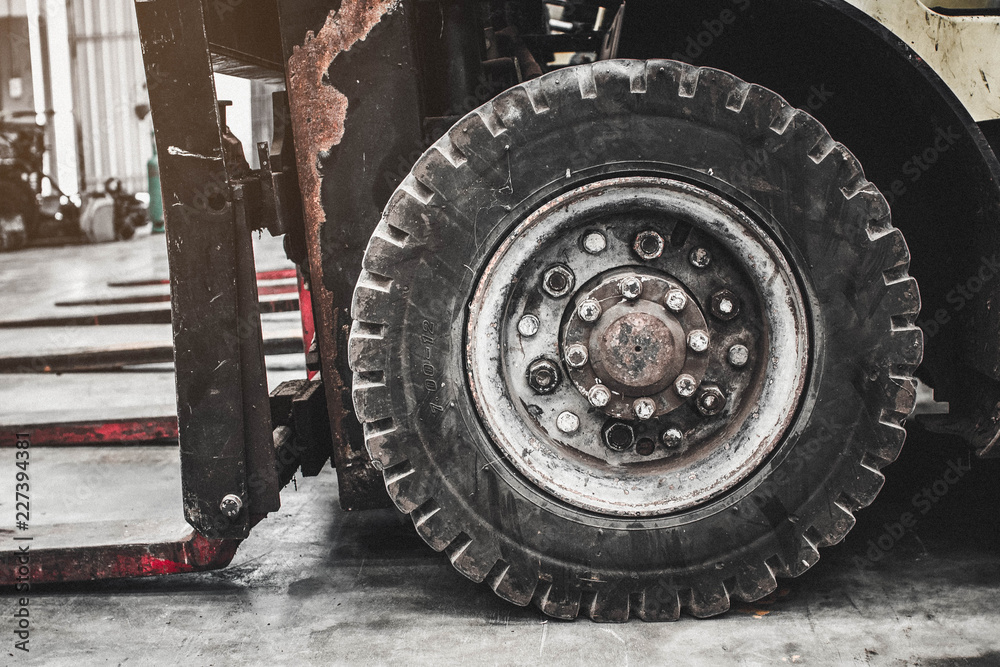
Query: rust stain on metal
x,y
320,109
319,112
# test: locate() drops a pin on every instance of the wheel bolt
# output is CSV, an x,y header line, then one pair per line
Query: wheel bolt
x,y
725,305
676,300
618,436
700,258
645,446
644,408
527,326
589,310
599,395
739,355
567,422
711,400
557,281
543,376
672,437
594,242
648,245
576,355
631,287
685,385
698,340
231,505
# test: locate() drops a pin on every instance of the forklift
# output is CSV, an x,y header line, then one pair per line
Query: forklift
x,y
618,301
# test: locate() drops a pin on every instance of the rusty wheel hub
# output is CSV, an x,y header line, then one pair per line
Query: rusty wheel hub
x,y
624,344
637,347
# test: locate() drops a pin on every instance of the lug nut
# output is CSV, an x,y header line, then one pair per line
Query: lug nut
x,y
672,438
557,281
739,355
685,385
543,376
644,408
675,300
589,311
567,422
698,340
231,505
618,436
648,245
725,305
645,446
576,355
599,395
594,242
630,287
711,400
527,326
700,258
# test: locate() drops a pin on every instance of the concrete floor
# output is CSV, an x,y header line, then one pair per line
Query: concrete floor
x,y
316,585
34,281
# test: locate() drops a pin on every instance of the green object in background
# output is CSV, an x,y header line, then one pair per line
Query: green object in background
x,y
155,198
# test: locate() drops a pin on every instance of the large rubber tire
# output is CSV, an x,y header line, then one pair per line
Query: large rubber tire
x,y
542,138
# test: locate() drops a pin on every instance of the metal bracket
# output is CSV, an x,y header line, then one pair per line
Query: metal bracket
x,y
221,384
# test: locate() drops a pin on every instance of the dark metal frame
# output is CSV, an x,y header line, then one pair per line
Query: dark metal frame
x,y
381,57
221,388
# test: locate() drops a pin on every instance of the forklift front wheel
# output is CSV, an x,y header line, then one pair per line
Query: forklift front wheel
x,y
632,338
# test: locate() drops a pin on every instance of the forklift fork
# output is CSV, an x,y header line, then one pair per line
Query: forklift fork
x,y
238,445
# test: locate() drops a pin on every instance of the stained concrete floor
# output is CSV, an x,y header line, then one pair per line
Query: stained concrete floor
x,y
35,282
316,585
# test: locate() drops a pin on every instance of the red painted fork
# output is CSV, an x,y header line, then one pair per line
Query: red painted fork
x,y
134,432
23,563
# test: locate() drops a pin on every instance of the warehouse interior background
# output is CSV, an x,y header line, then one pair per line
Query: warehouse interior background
x,y
78,66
